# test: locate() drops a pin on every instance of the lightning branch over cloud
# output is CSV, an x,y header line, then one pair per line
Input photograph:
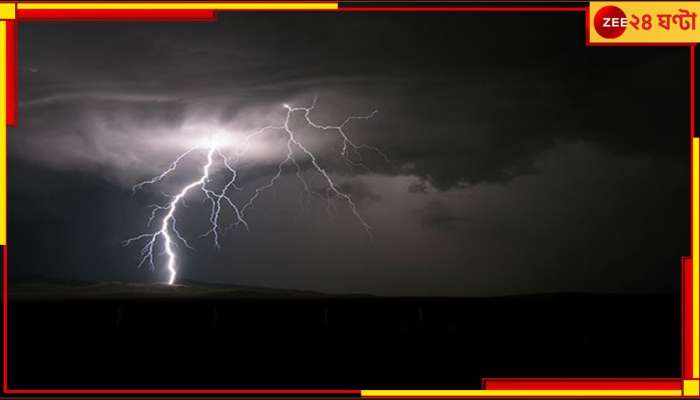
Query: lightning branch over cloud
x,y
168,236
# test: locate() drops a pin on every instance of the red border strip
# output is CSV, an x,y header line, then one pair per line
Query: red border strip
x,y
11,72
687,262
581,384
119,15
692,93
452,9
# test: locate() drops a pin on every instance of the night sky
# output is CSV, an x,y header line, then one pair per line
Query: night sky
x,y
521,161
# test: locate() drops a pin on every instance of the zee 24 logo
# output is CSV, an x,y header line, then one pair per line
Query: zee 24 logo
x,y
611,22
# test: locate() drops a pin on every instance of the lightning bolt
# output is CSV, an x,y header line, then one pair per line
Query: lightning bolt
x,y
168,234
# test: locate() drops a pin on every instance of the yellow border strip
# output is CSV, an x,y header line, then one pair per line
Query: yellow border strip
x,y
691,387
522,393
7,11
178,6
3,134
696,256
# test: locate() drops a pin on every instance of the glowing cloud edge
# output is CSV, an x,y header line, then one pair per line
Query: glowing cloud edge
x,y
168,221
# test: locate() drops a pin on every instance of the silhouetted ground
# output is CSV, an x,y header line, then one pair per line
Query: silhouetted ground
x,y
53,289
235,337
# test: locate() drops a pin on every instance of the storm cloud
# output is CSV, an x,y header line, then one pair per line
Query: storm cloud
x,y
514,165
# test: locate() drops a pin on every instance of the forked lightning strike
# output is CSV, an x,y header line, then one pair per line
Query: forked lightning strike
x,y
168,235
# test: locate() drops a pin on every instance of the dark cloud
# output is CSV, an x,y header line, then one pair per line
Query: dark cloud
x,y
525,152
360,191
418,187
437,215
446,116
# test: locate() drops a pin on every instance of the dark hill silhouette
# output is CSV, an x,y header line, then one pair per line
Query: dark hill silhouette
x,y
68,334
37,287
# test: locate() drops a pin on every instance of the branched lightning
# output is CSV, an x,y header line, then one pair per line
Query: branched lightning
x,y
168,234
